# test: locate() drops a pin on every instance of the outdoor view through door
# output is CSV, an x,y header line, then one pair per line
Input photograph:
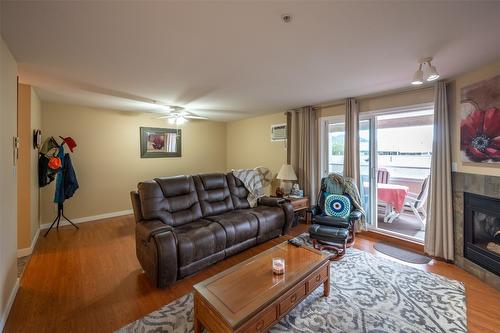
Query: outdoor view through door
x,y
395,160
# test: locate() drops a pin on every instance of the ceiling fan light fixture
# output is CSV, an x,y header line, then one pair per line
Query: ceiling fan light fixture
x,y
178,115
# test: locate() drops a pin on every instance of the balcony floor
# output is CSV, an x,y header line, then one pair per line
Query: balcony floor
x,y
406,224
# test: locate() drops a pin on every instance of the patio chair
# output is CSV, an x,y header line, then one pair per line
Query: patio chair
x,y
382,176
416,202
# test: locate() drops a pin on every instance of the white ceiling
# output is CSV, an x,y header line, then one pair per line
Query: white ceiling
x,y
238,57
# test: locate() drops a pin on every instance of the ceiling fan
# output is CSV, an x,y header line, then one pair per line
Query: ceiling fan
x,y
179,115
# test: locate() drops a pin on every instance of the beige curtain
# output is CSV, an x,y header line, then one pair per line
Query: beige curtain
x,y
351,147
439,229
303,149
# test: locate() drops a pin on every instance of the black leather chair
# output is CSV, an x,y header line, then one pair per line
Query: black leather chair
x,y
329,232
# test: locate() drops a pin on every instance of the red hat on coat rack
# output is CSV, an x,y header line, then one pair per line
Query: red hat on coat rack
x,y
69,141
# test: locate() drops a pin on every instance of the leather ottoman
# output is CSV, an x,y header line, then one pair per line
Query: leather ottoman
x,y
330,238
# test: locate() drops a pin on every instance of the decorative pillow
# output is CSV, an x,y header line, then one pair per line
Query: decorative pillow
x,y
337,205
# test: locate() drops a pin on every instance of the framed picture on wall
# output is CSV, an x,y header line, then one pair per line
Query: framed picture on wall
x,y
480,122
160,142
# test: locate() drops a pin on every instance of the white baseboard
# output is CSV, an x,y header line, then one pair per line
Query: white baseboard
x,y
10,301
29,250
90,218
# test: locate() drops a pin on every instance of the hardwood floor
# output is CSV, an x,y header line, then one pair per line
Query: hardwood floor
x,y
89,280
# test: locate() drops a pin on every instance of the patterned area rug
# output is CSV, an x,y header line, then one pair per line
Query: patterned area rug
x,y
368,294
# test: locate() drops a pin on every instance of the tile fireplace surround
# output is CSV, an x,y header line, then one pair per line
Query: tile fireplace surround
x,y
478,184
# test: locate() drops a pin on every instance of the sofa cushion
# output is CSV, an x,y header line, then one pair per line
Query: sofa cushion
x,y
172,200
198,240
213,194
239,226
238,191
270,218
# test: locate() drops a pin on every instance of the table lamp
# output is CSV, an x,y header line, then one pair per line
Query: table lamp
x,y
286,176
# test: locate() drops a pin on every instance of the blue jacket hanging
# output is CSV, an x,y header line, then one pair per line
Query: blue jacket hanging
x,y
70,183
66,182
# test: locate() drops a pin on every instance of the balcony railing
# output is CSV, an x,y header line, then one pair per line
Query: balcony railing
x,y
395,171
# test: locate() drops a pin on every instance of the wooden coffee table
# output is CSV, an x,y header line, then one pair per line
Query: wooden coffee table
x,y
248,297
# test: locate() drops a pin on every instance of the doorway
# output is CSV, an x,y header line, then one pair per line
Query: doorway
x,y
395,164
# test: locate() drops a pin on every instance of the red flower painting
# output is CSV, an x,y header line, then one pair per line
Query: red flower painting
x,y
480,135
480,125
157,141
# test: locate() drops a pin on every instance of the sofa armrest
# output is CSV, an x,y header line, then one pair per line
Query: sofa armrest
x,y
272,202
156,249
146,230
289,216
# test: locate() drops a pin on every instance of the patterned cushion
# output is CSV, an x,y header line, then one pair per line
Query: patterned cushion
x,y
337,205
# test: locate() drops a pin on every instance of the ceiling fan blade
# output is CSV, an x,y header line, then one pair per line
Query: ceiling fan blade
x,y
192,116
166,116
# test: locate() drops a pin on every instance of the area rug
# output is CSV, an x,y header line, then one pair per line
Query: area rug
x,y
401,254
368,294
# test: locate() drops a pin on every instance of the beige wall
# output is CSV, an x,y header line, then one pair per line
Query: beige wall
x,y
28,119
482,73
24,167
382,102
8,193
36,123
249,144
107,160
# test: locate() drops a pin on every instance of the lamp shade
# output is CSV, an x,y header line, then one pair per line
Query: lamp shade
x,y
287,173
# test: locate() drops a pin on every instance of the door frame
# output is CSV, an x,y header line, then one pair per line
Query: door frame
x,y
371,116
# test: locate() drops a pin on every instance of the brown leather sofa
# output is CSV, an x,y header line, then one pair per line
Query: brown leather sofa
x,y
186,223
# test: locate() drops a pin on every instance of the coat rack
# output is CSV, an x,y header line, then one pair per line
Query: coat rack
x,y
60,213
60,205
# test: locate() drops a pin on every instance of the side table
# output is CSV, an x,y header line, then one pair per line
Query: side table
x,y
300,207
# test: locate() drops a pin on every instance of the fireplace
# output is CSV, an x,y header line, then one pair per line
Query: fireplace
x,y
482,231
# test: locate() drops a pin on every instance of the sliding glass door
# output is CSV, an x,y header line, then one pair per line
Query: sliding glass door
x,y
395,156
395,149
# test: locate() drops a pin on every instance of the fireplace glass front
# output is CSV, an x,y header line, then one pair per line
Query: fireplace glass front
x,y
482,231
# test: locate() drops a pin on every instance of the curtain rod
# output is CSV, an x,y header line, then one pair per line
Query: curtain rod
x,y
365,97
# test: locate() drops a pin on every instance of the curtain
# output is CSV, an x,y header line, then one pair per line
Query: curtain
x,y
439,229
302,151
351,147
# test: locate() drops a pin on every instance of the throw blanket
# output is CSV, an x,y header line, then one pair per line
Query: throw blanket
x,y
338,184
255,181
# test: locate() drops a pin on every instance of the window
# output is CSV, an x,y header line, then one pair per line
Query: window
x,y
333,131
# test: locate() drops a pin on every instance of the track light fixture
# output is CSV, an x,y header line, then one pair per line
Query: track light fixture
x,y
431,73
418,77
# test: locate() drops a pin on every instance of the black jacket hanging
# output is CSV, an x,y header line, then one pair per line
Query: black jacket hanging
x,y
45,174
